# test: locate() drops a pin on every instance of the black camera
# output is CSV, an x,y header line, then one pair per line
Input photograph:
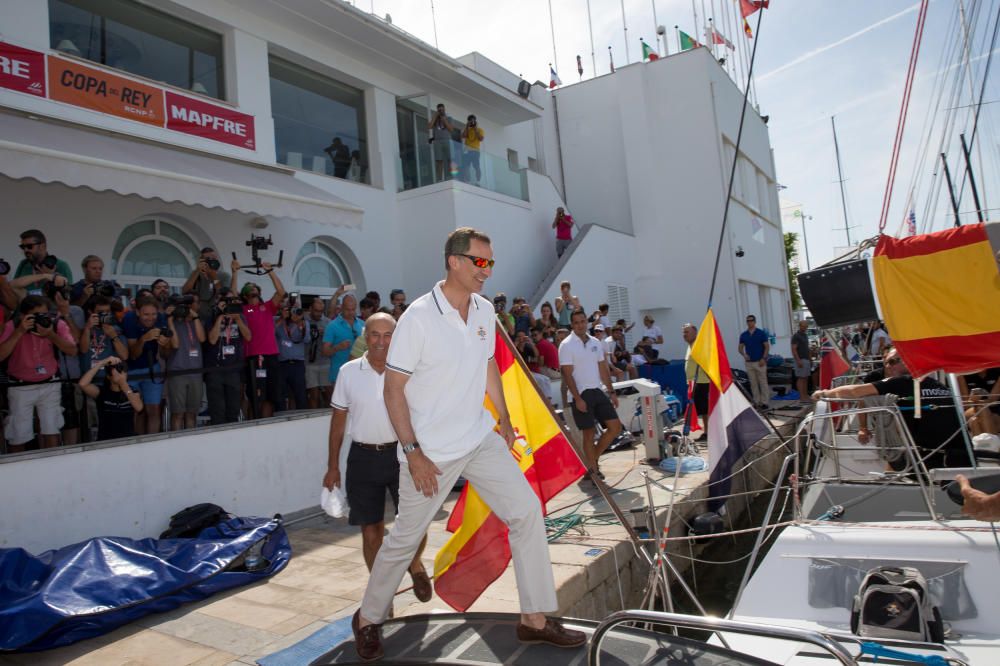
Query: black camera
x,y
4,267
232,307
166,332
104,288
213,263
259,243
43,320
182,305
105,318
116,367
50,261
296,312
50,290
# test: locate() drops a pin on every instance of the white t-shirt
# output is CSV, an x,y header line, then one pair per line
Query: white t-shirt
x,y
654,332
880,340
446,359
358,391
585,359
609,348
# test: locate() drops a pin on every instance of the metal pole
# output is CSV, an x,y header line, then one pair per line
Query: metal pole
x,y
805,240
656,28
957,396
840,176
951,190
625,29
590,26
972,179
435,24
552,27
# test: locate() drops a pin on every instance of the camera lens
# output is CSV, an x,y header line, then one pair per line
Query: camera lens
x,y
213,264
297,312
4,267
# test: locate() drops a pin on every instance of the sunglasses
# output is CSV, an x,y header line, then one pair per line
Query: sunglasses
x,y
479,262
28,246
894,361
751,320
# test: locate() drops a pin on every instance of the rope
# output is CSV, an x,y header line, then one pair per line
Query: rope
x,y
901,123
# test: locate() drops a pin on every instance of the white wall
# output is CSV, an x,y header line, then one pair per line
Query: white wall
x,y
132,490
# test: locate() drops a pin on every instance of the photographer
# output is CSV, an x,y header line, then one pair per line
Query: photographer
x,y
262,347
183,353
441,129
28,344
292,331
472,137
523,317
224,349
147,333
318,387
117,403
100,338
206,280
93,282
505,318
161,292
37,259
8,299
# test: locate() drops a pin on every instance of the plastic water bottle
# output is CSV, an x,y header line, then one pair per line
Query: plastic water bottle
x,y
254,559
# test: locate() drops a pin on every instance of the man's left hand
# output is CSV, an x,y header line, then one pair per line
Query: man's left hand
x,y
614,399
507,432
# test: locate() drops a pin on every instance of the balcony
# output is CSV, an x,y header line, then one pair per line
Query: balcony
x,y
415,167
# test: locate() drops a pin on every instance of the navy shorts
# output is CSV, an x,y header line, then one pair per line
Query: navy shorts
x,y
599,408
369,475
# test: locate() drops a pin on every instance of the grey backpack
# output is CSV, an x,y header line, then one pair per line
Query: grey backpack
x,y
895,602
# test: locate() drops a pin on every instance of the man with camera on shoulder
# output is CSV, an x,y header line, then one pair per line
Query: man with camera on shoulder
x,y
28,344
37,260
147,332
183,355
224,357
117,404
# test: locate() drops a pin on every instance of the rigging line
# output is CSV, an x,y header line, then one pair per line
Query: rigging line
x,y
901,123
982,92
969,33
736,159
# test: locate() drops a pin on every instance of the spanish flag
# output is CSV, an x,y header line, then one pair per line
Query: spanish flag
x,y
478,552
939,295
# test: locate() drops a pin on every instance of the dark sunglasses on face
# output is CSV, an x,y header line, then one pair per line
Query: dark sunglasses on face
x,y
28,246
479,262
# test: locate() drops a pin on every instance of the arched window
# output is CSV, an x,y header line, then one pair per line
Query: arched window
x,y
319,269
150,249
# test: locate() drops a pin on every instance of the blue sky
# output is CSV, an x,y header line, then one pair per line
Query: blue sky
x,y
815,58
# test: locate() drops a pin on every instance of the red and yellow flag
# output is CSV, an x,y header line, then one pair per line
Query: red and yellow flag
x,y
939,295
478,551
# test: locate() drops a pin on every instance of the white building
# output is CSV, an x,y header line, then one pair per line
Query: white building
x,y
141,134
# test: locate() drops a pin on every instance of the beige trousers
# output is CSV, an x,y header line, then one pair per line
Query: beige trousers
x,y
758,383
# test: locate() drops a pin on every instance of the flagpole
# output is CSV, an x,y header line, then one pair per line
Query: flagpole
x,y
611,60
590,25
711,37
656,26
625,30
694,10
552,27
737,63
677,34
435,24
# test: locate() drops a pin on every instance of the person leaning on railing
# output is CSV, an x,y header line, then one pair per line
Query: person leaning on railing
x,y
117,403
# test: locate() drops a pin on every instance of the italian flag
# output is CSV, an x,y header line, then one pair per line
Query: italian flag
x,y
688,42
648,53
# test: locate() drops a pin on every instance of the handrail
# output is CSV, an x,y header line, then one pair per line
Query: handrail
x,y
715,625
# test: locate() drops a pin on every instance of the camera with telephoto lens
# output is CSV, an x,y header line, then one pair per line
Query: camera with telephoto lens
x,y
182,306
4,267
104,288
105,318
212,263
43,320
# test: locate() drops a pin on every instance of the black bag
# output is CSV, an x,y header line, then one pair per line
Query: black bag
x,y
895,602
189,522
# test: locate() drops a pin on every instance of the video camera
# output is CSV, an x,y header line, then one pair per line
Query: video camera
x,y
181,304
258,244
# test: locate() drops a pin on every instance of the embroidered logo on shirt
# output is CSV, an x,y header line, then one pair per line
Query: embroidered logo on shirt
x,y
481,333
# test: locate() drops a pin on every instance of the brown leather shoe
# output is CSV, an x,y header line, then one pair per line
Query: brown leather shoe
x,y
367,640
422,586
553,633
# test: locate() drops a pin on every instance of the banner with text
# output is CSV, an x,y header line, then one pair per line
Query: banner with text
x,y
209,121
22,70
77,84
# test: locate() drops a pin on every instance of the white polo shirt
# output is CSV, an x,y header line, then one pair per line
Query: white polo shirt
x,y
585,359
358,391
446,359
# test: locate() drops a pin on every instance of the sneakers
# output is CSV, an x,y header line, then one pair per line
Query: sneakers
x,y
553,633
367,640
422,586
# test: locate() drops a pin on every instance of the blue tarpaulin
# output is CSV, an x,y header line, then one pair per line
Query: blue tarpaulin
x,y
87,589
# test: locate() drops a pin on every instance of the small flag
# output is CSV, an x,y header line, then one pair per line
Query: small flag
x,y
579,66
719,38
911,223
554,79
611,59
648,53
748,7
688,42
478,551
831,364
733,425
746,29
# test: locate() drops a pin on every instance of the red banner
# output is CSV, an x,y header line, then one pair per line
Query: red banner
x,y
209,121
95,89
22,70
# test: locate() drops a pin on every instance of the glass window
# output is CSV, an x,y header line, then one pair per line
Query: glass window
x,y
319,124
320,268
132,37
151,249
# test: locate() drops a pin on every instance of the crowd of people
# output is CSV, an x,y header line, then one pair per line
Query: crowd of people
x,y
85,360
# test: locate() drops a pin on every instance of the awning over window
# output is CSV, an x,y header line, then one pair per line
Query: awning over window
x,y
50,152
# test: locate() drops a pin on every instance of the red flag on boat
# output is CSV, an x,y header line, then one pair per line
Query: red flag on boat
x,y
831,364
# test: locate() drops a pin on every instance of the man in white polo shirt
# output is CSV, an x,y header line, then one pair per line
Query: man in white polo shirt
x,y
584,365
372,465
441,365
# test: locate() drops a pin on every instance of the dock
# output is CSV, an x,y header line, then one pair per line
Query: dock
x,y
597,570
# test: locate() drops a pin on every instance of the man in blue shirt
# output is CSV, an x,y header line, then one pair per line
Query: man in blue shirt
x,y
340,334
754,347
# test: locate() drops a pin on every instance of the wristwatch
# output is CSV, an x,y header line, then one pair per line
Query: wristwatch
x,y
410,448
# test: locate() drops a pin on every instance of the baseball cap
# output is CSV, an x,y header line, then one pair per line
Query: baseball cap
x,y
599,327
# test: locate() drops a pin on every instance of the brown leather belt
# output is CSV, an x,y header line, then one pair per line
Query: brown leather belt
x,y
376,447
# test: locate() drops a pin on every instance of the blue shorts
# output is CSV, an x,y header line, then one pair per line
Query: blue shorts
x,y
149,390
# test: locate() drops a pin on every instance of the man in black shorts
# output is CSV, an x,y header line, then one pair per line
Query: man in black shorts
x,y
372,463
584,370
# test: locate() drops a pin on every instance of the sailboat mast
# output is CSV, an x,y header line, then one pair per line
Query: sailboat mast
x,y
840,179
